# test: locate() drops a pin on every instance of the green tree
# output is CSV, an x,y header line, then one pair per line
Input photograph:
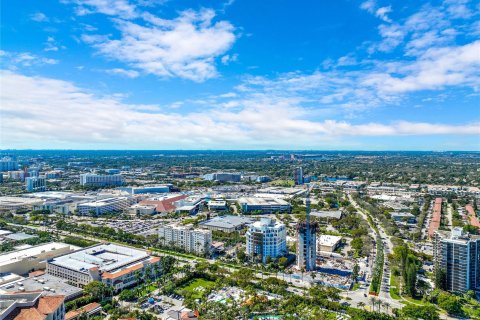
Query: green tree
x,y
414,312
96,290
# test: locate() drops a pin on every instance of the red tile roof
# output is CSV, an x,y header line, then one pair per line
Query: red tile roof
x,y
163,205
30,314
186,315
42,308
472,216
73,314
50,304
108,275
36,273
436,217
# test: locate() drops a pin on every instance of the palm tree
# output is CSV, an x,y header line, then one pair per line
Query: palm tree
x,y
373,301
361,305
386,305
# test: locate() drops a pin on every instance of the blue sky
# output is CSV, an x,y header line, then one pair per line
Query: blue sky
x,y
148,74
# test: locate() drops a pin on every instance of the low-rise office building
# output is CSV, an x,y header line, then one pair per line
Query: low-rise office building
x,y
34,258
113,264
226,223
148,189
103,206
99,180
263,205
186,238
223,177
217,205
327,243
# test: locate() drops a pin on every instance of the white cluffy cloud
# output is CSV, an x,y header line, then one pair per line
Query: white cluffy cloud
x,y
184,47
382,12
74,117
39,17
14,60
123,72
120,8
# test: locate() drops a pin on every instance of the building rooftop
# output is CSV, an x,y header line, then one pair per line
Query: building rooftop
x,y
253,201
227,222
328,240
18,201
102,202
337,214
19,255
47,284
20,236
106,257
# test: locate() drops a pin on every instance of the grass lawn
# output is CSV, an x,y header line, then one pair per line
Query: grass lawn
x,y
283,183
415,301
394,287
196,287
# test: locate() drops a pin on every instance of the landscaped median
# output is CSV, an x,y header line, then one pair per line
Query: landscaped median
x,y
394,287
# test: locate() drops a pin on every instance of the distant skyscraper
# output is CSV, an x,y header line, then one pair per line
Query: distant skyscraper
x,y
35,184
306,242
298,176
457,256
7,164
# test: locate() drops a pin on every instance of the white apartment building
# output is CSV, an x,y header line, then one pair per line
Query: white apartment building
x,y
185,237
103,206
266,238
35,184
90,179
17,175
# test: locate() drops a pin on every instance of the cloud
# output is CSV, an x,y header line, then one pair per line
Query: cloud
x,y
14,60
120,8
435,69
368,5
123,72
184,47
382,13
430,26
77,118
52,45
39,17
226,59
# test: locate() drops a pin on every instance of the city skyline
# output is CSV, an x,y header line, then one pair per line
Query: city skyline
x,y
240,75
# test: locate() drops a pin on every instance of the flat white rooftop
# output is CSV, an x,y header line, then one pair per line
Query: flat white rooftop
x,y
328,240
105,257
252,201
18,201
19,255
